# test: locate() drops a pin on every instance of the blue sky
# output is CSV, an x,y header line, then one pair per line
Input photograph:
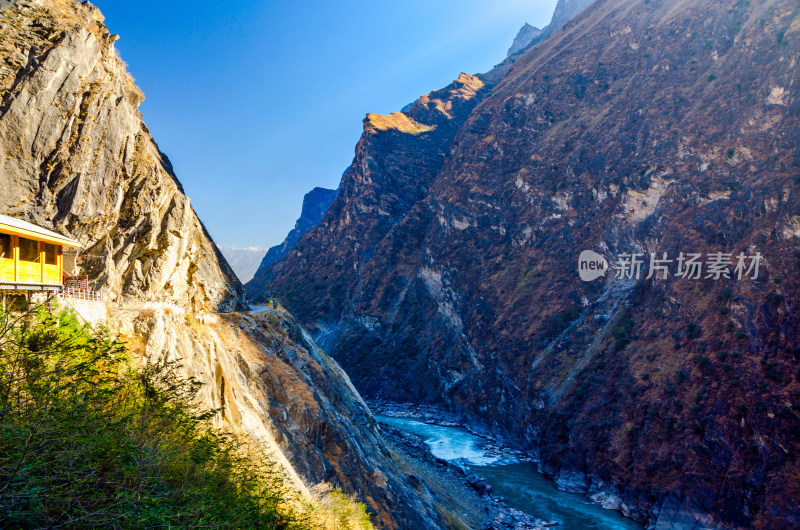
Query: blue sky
x,y
257,102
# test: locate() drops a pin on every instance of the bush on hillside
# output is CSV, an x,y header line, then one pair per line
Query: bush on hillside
x,y
86,440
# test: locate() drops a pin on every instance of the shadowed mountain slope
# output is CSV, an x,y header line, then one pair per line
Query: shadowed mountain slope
x,y
446,270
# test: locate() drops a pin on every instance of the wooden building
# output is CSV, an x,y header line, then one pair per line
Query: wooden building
x,y
31,257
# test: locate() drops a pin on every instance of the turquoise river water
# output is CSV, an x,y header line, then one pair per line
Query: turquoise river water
x,y
519,483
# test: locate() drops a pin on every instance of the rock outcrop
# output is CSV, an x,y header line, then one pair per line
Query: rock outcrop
x,y
524,38
529,36
446,270
75,156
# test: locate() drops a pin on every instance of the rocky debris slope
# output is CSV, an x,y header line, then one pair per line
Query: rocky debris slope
x,y
75,156
640,127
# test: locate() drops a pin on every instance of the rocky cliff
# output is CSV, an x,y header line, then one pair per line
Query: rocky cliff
x,y
529,36
76,156
523,40
447,269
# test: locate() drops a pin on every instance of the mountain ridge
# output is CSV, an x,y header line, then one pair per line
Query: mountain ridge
x,y
315,203
638,127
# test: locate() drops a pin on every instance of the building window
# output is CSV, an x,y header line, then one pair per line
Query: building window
x,y
28,250
50,254
6,250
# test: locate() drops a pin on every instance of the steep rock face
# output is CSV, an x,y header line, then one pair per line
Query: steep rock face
x,y
75,156
639,127
530,36
315,203
396,159
523,39
271,381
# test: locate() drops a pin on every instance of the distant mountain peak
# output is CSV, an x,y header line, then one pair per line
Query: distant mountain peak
x,y
315,203
523,39
528,35
243,261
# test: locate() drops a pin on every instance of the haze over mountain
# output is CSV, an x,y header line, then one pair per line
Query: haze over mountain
x,y
446,270
243,261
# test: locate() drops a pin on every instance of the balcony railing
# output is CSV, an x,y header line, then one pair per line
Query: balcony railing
x,y
82,294
77,288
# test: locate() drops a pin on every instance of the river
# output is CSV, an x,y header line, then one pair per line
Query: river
x,y
519,483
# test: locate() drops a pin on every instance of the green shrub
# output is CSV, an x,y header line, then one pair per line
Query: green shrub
x,y
555,324
693,330
623,328
85,440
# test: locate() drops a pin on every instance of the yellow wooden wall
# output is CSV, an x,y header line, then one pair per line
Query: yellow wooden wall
x,y
51,274
30,271
6,269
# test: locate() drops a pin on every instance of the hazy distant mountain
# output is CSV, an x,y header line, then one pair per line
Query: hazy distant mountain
x,y
525,36
243,261
315,203
529,36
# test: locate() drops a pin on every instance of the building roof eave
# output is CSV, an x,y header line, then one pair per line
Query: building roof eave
x,y
18,227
